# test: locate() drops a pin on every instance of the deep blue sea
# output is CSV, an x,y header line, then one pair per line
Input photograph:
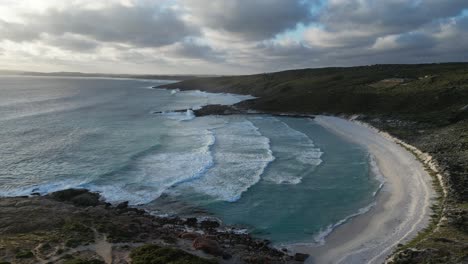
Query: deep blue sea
x,y
285,179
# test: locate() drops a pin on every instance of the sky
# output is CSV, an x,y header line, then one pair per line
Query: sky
x,y
227,36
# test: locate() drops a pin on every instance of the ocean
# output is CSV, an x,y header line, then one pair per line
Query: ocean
x,y
285,179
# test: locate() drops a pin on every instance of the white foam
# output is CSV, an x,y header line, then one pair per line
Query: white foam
x,y
180,116
375,170
226,98
202,98
320,237
153,174
241,155
44,188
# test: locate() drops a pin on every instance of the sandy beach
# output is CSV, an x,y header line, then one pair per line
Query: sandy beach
x,y
402,206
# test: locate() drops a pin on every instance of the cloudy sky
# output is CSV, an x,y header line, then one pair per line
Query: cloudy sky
x,y
227,36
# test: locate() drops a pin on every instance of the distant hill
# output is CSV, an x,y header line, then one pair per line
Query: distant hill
x,y
424,90
108,75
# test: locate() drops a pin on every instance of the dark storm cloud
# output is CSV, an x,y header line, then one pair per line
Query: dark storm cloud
x,y
251,20
359,23
365,31
145,26
192,50
387,17
139,25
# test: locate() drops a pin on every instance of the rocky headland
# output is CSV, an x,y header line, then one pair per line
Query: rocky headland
x,y
424,105
75,226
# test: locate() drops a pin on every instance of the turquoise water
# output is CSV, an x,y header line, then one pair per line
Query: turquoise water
x,y
285,179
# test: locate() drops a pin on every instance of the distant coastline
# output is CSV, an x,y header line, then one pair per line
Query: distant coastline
x,y
174,77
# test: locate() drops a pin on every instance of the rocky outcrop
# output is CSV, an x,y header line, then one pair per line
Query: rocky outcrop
x,y
301,257
218,110
79,197
208,246
75,224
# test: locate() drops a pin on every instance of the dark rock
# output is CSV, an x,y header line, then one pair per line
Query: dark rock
x,y
212,237
192,221
175,111
68,194
209,224
301,257
190,235
208,246
227,256
217,110
136,210
257,259
122,205
86,199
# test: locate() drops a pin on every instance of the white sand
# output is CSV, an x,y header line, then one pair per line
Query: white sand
x,y
402,208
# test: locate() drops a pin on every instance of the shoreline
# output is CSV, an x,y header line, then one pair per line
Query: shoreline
x,y
347,242
401,210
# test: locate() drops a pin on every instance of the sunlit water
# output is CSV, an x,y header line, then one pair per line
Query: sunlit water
x,y
285,179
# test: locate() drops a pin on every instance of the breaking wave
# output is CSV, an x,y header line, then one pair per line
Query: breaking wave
x,y
241,156
295,151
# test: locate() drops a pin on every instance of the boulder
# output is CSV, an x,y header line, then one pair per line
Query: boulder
x,y
86,199
67,195
192,221
189,235
301,257
208,246
209,224
257,260
122,205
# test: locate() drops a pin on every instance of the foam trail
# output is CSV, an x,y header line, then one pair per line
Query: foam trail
x,y
375,170
151,175
241,155
295,151
180,116
320,237
44,188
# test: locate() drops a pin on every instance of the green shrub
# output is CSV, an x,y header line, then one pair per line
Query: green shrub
x,y
153,254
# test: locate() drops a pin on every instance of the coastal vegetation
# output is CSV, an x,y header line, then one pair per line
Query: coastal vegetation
x,y
425,105
73,227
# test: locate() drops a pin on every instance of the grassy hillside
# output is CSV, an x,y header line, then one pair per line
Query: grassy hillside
x,y
425,105
351,90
